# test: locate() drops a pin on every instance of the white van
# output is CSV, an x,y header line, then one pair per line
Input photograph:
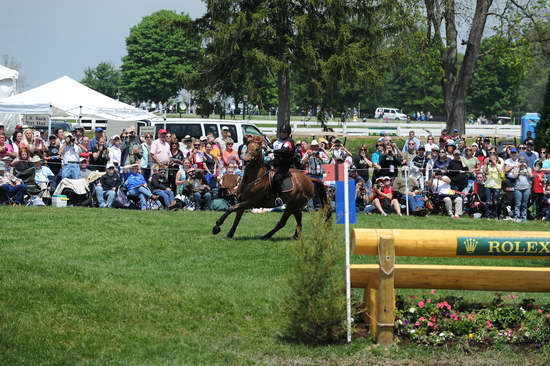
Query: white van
x,y
390,113
196,128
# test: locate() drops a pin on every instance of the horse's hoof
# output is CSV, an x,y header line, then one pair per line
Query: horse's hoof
x,y
216,230
230,236
266,237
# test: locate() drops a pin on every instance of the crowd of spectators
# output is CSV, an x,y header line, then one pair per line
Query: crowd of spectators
x,y
443,174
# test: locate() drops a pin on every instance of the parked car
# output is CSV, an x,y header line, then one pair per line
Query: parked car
x,y
390,113
198,128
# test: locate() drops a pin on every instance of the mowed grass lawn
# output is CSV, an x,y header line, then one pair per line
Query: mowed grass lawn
x,y
96,287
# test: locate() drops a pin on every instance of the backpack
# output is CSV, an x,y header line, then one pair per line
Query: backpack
x,y
219,204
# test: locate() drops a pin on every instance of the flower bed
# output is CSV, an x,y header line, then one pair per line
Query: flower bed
x,y
506,320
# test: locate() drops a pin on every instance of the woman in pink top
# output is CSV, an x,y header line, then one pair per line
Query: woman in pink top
x,y
230,156
5,149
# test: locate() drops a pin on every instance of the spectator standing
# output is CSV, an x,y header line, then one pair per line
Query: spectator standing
x,y
146,161
390,161
409,153
160,149
230,156
361,162
529,154
222,140
412,138
99,155
115,152
53,158
6,150
131,148
537,190
522,189
457,172
98,135
430,144
70,153
494,174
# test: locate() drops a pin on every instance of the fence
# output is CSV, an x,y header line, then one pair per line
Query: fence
x,y
380,280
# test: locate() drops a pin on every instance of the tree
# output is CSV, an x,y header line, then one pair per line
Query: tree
x,y
162,49
333,43
500,69
543,127
443,14
104,78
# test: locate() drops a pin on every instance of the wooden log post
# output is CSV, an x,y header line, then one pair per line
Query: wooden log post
x,y
386,291
370,306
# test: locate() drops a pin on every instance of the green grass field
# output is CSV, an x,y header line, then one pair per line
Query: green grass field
x,y
97,287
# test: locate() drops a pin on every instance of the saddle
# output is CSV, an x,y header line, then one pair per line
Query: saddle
x,y
287,184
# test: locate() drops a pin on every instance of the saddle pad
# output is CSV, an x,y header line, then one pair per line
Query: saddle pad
x,y
288,184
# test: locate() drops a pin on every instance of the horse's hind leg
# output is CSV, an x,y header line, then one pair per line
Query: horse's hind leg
x,y
298,217
280,224
216,229
235,223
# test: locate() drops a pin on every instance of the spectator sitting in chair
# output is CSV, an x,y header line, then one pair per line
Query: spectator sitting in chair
x,y
42,174
107,187
201,190
410,192
441,185
10,186
161,187
84,171
137,187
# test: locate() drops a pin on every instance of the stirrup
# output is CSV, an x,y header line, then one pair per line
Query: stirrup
x,y
278,202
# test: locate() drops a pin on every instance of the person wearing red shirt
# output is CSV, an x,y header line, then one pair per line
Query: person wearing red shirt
x,y
382,197
537,189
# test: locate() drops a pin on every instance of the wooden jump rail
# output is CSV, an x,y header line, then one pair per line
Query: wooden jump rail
x,y
380,280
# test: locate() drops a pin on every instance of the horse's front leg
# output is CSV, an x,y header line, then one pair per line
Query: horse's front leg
x,y
235,223
219,222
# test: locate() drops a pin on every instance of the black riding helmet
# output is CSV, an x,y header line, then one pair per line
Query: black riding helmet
x,y
285,129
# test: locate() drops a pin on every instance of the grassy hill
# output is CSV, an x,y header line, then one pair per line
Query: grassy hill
x,y
94,287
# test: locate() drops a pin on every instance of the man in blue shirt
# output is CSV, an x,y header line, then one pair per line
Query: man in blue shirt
x,y
93,142
411,138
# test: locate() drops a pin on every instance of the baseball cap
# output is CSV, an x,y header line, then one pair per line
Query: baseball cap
x,y
314,143
455,130
116,137
225,128
83,159
110,165
162,130
513,150
99,129
203,138
387,178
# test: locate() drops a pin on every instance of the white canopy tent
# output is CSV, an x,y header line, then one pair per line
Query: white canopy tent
x,y
67,98
8,87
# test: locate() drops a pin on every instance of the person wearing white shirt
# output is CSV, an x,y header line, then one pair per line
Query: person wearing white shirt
x,y
42,173
70,151
430,144
115,153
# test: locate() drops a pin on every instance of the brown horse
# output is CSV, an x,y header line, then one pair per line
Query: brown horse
x,y
255,191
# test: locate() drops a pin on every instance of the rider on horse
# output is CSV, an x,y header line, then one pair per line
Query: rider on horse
x,y
283,152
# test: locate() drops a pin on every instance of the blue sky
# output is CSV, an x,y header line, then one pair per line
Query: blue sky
x,y
52,38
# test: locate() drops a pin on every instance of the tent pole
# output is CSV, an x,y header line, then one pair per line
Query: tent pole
x,y
50,122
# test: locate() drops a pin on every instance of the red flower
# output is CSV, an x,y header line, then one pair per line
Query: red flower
x,y
489,324
433,292
420,304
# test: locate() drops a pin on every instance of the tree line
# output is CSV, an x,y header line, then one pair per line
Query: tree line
x,y
436,56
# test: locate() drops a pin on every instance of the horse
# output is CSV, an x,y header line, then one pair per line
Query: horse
x,y
255,190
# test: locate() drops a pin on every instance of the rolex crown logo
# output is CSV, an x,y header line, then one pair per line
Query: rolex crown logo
x,y
470,245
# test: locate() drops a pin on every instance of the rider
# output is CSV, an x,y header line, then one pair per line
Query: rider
x,y
283,151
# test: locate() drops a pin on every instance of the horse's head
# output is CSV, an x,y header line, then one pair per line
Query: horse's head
x,y
254,152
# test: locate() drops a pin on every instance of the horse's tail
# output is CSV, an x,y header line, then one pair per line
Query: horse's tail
x,y
323,196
